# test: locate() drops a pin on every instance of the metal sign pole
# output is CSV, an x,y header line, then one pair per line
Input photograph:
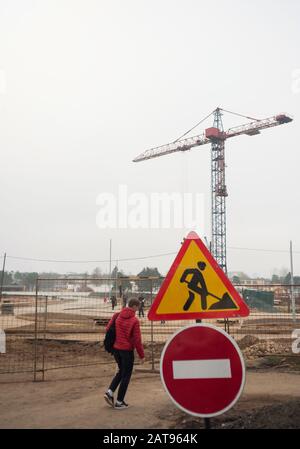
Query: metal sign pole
x,y
207,423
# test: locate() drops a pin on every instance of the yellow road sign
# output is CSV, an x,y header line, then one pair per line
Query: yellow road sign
x,y
196,287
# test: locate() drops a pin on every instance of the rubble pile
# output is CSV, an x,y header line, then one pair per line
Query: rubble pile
x,y
264,348
247,341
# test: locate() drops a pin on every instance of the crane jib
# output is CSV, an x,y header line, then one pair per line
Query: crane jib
x,y
214,134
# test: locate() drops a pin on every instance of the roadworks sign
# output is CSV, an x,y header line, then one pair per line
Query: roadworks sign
x,y
196,288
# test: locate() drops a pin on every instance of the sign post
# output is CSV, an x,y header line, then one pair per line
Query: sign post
x,y
201,367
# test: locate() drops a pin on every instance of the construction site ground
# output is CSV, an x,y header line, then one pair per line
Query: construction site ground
x,y
73,398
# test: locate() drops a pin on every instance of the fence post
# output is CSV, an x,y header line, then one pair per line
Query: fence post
x,y
44,336
292,284
35,328
227,324
152,336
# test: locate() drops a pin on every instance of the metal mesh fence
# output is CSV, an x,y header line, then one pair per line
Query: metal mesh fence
x,y
63,323
18,331
266,331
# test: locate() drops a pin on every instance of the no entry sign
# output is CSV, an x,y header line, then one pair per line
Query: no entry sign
x,y
202,370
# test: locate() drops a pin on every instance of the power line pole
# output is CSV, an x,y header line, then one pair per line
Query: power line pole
x,y
109,293
2,276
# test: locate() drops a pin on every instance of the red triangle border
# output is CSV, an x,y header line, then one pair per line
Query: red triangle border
x,y
243,308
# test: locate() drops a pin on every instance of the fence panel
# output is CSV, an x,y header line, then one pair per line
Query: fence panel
x,y
17,320
63,324
267,331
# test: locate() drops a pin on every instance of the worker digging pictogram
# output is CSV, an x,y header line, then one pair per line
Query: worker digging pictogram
x,y
197,286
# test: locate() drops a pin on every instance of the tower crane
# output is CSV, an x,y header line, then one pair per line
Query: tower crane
x,y
216,136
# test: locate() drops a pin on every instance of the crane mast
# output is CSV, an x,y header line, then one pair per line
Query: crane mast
x,y
218,192
216,137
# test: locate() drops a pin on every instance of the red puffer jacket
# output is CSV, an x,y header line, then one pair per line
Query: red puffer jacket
x,y
128,333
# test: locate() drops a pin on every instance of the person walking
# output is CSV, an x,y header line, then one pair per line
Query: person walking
x,y
141,307
124,301
113,302
128,338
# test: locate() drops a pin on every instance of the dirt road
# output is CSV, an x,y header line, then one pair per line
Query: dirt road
x,y
74,399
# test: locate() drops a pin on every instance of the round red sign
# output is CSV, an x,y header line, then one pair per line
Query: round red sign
x,y
202,370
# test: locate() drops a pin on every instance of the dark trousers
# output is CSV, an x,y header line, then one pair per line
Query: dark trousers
x,y
125,361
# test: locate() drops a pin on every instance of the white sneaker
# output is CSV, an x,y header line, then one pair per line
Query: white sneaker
x,y
109,399
121,405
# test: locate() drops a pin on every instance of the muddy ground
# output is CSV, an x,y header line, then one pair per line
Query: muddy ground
x,y
64,350
73,398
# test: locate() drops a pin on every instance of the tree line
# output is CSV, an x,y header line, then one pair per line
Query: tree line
x,y
28,279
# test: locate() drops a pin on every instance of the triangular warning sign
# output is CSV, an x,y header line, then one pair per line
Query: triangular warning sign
x,y
196,288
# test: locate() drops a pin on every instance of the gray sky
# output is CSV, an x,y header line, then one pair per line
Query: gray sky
x,y
85,86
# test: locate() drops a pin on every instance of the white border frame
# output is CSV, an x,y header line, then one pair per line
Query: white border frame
x,y
242,363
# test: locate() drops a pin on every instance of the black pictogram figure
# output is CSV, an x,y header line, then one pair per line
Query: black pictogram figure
x,y
197,285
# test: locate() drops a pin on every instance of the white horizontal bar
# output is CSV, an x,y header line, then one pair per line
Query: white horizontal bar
x,y
202,369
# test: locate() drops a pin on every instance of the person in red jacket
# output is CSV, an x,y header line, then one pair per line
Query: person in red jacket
x,y
128,338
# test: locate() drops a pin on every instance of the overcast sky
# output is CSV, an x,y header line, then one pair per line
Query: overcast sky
x,y
85,86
